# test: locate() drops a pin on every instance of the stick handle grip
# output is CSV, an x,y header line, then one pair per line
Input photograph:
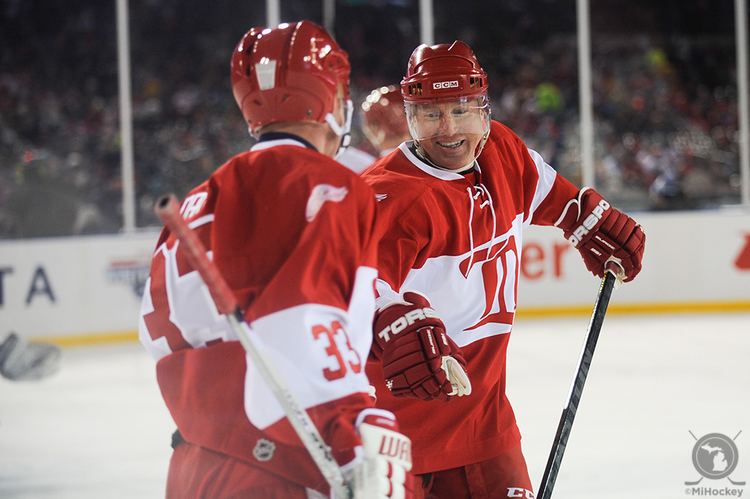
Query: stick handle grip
x,y
168,210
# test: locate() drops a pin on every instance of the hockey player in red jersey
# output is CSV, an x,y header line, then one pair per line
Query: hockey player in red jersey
x,y
452,206
384,125
383,119
292,232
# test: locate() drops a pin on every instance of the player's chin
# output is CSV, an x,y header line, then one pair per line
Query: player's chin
x,y
451,154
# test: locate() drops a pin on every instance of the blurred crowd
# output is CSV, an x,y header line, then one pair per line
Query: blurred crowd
x,y
664,96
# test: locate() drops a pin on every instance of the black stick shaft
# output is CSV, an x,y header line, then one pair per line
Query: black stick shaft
x,y
569,413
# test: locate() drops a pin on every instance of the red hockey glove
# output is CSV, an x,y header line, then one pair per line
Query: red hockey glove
x,y
602,233
385,470
419,359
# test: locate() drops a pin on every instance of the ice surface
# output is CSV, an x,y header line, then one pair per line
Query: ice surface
x,y
99,428
653,379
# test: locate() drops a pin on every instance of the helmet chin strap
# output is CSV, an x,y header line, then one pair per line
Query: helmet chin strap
x,y
344,131
481,144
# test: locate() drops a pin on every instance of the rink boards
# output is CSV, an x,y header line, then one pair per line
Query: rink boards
x,y
87,289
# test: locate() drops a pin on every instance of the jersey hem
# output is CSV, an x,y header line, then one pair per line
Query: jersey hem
x,y
476,451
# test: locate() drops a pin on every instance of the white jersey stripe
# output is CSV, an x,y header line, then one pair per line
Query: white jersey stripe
x,y
547,176
285,340
201,221
461,317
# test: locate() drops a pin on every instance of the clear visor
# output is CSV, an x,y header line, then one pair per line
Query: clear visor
x,y
448,118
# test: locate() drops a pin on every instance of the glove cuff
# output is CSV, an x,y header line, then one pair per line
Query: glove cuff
x,y
380,436
379,416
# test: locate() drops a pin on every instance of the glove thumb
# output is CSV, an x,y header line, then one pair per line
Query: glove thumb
x,y
417,299
457,377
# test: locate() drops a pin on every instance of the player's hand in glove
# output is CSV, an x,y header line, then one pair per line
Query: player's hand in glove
x,y
419,359
602,234
384,470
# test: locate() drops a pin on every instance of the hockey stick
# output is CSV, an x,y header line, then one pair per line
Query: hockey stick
x,y
168,211
569,413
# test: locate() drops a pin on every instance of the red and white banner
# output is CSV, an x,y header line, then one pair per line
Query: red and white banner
x,y
698,260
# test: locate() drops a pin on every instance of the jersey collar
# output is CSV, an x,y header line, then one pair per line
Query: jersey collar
x,y
273,139
428,169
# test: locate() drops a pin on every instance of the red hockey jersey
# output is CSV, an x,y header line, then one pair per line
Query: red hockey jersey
x,y
291,231
456,238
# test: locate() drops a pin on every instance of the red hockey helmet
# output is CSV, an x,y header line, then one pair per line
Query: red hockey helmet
x,y
294,72
445,99
443,71
383,118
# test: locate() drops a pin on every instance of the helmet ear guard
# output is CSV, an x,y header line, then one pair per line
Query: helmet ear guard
x,y
344,131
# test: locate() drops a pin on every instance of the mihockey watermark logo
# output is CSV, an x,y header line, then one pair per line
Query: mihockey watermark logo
x,y
715,457
442,85
263,450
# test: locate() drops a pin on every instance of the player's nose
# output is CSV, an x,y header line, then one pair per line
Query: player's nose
x,y
447,124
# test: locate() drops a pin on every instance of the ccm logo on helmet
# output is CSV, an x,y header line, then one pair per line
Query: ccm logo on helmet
x,y
410,317
589,222
440,85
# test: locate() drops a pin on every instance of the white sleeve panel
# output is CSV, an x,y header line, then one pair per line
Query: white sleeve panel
x,y
313,369
362,309
547,176
386,294
157,347
191,309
